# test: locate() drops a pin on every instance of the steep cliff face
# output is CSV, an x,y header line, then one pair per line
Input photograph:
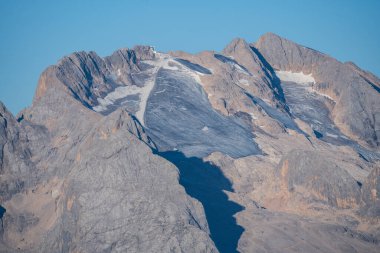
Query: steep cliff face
x,y
103,190
355,93
116,195
17,170
268,140
87,76
371,194
315,178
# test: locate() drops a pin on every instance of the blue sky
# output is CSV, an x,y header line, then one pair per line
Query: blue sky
x,y
36,34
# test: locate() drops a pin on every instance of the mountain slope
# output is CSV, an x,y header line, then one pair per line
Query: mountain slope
x,y
144,151
356,109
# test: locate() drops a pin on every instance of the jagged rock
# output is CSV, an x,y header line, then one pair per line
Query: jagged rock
x,y
251,59
17,171
356,110
116,195
86,167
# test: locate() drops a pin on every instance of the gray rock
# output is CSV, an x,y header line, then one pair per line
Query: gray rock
x,y
17,171
370,194
280,233
188,123
318,179
85,168
120,197
110,193
357,109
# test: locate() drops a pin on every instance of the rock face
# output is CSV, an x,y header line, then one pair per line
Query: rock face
x,y
16,168
317,179
263,147
370,194
97,186
115,195
353,91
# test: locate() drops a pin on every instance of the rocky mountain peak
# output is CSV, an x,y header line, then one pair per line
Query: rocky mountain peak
x,y
143,151
236,45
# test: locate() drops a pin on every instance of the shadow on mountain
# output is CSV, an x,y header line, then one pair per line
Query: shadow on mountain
x,y
275,81
206,182
2,212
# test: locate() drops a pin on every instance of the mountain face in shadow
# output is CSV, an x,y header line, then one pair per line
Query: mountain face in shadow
x,y
206,183
2,212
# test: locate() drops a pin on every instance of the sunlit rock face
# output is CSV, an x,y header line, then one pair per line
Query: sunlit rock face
x,y
351,88
263,147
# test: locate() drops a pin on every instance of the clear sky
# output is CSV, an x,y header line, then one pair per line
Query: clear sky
x,y
36,34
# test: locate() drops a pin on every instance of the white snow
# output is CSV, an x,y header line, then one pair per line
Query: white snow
x,y
297,77
238,68
332,135
166,65
244,82
252,116
119,92
205,129
145,91
321,94
161,61
317,122
160,91
300,78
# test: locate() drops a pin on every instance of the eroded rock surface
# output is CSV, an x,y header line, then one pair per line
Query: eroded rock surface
x,y
263,147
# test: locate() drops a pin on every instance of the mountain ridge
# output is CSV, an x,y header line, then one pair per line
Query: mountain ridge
x,y
211,152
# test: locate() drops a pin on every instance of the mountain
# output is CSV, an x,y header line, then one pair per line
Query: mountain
x,y
264,147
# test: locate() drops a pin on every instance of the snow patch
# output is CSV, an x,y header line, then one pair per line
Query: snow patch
x,y
161,60
160,91
119,92
321,94
239,68
244,82
205,129
332,135
252,116
170,65
296,77
123,91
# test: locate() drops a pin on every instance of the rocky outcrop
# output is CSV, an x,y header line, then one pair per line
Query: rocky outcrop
x,y
17,171
316,179
114,195
371,194
86,76
251,59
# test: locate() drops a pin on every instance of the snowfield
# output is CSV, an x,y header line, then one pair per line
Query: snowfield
x,y
162,61
296,77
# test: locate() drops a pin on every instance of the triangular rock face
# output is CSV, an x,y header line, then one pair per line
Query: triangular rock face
x,y
249,57
332,78
284,54
264,136
98,178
